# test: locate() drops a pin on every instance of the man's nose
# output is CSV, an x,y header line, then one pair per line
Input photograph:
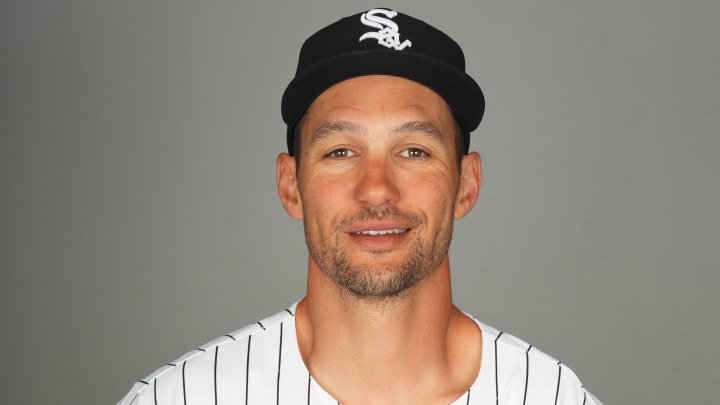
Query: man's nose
x,y
376,185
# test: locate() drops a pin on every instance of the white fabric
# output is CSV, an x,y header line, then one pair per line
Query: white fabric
x,y
511,372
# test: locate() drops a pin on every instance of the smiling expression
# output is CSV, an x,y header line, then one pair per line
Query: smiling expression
x,y
377,184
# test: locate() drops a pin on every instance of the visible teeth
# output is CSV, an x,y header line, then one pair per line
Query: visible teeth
x,y
383,232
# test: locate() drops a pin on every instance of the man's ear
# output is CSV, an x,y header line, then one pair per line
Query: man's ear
x,y
286,178
470,179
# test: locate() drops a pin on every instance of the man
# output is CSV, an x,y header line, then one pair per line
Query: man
x,y
379,115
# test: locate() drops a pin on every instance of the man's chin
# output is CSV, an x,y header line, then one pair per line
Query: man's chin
x,y
379,282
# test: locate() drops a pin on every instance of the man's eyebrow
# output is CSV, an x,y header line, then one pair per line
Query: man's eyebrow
x,y
329,128
421,126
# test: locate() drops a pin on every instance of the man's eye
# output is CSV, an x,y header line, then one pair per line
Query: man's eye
x,y
340,153
414,153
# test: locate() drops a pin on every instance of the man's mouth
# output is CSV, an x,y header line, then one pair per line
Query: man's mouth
x,y
381,232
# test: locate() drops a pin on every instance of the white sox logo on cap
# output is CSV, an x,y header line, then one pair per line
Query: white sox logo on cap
x,y
388,35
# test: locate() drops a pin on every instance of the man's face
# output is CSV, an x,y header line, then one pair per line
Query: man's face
x,y
377,183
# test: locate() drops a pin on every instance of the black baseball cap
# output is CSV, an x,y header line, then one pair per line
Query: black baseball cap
x,y
384,42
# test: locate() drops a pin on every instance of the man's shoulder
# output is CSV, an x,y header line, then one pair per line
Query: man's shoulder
x,y
515,367
509,345
201,362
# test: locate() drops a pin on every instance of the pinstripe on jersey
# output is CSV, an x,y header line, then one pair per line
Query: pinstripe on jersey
x,y
261,364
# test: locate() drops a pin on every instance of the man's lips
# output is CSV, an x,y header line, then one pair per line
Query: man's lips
x,y
379,236
381,232
379,228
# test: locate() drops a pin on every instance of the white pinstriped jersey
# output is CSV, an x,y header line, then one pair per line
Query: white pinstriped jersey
x,y
261,365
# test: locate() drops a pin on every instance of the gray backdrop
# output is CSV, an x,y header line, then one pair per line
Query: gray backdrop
x,y
139,215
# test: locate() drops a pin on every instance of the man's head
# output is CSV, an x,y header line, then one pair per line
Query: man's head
x,y
380,180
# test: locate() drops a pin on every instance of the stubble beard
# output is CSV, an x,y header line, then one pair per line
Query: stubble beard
x,y
365,281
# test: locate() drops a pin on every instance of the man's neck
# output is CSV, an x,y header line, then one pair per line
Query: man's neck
x,y
407,349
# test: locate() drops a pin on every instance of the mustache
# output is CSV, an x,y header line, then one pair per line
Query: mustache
x,y
369,213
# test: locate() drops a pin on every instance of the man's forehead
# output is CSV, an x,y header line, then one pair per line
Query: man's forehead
x,y
380,92
403,104
328,129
